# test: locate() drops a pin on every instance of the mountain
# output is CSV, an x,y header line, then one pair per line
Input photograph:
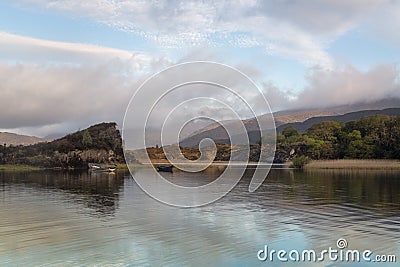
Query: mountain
x,y
293,117
303,126
342,109
17,139
54,136
219,135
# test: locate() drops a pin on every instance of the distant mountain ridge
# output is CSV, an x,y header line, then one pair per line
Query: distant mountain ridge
x,y
343,109
303,126
300,119
18,139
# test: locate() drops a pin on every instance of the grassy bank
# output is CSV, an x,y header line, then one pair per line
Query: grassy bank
x,y
23,168
122,166
372,164
19,168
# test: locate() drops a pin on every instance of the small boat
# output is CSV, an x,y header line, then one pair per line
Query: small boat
x,y
102,167
164,168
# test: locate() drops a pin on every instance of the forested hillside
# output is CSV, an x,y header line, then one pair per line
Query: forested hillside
x,y
99,143
376,137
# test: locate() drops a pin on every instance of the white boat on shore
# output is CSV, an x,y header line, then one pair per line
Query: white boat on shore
x,y
95,167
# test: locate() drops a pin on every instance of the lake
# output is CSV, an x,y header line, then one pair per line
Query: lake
x,y
55,218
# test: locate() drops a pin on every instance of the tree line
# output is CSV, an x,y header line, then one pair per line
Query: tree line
x,y
373,137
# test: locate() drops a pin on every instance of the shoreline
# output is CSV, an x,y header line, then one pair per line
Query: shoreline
x,y
343,164
354,164
19,168
25,168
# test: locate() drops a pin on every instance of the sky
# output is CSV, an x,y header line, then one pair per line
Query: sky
x,y
65,65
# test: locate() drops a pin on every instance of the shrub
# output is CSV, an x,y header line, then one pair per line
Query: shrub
x,y
300,161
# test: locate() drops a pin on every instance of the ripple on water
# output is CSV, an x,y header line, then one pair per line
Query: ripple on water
x,y
57,219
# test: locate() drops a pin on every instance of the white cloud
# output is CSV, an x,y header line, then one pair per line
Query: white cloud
x,y
344,86
46,98
16,48
384,22
350,86
51,86
19,42
46,93
39,95
297,29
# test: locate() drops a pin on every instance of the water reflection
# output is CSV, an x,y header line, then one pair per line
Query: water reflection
x,y
376,190
96,191
70,219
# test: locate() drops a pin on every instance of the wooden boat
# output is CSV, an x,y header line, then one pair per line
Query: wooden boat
x,y
164,168
102,167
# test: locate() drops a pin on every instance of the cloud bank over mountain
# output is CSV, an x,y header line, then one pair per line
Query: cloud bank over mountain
x,y
59,86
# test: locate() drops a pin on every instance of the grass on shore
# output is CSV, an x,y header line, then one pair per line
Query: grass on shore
x,y
18,168
122,166
24,168
371,164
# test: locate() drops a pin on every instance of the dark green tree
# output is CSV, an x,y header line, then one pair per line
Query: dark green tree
x,y
86,139
290,131
326,130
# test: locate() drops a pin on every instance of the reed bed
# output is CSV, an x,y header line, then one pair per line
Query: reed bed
x,y
374,164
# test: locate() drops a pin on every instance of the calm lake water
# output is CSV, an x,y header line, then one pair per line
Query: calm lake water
x,y
78,219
